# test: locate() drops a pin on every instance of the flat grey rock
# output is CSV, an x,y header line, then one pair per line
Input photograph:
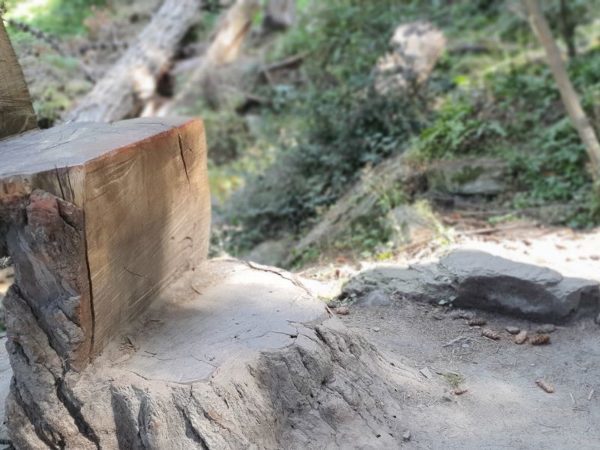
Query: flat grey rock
x,y
475,279
471,176
490,282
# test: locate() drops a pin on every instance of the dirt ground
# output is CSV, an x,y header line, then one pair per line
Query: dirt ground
x,y
503,407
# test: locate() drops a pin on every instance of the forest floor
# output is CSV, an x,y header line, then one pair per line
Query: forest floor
x,y
502,407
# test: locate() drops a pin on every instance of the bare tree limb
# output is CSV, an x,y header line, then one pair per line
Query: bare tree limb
x,y
569,96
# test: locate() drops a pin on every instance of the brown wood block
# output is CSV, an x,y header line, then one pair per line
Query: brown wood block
x,y
100,217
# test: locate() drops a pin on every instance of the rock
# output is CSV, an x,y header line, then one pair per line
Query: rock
x,y
467,315
279,14
342,311
252,361
513,330
271,253
475,176
416,48
546,328
413,223
406,436
475,279
377,297
420,283
493,283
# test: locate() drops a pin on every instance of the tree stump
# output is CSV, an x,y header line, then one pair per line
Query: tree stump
x,y
104,219
99,218
237,356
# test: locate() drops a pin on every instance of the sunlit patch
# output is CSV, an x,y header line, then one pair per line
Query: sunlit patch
x,y
27,10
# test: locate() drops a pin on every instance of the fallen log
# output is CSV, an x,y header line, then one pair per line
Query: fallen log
x,y
225,46
122,92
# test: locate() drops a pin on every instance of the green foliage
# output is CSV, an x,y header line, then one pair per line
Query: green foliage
x,y
458,130
346,124
509,109
62,17
518,115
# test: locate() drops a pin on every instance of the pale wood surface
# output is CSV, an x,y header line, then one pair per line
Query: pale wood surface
x,y
118,209
16,110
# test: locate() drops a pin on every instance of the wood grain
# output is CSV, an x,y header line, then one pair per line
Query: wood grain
x,y
140,191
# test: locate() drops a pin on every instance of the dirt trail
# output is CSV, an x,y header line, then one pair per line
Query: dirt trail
x,y
503,407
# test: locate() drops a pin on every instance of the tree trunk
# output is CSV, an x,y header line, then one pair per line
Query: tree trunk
x,y
105,219
16,110
224,48
568,27
122,92
567,92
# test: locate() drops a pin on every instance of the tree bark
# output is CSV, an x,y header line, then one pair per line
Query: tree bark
x,y
568,27
238,356
569,96
16,110
121,93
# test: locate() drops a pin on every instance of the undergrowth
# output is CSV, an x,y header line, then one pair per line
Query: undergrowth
x,y
499,102
517,115
346,124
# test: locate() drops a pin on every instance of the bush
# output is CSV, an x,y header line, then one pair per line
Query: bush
x,y
346,125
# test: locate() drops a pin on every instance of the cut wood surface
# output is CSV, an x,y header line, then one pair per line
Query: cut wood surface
x,y
237,356
122,92
16,110
101,217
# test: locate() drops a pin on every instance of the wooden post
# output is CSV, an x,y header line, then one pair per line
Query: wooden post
x,y
100,218
16,111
